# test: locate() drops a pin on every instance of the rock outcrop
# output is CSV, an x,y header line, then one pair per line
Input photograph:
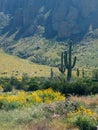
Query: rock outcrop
x,y
60,18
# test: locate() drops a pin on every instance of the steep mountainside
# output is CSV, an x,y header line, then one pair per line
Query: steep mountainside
x,y
37,30
59,18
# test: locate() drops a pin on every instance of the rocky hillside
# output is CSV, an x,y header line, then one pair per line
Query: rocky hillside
x,y
51,18
37,29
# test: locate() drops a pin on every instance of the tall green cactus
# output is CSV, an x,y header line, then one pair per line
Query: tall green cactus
x,y
51,74
68,61
62,66
83,73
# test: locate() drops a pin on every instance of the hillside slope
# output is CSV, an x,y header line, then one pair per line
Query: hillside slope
x,y
11,65
38,30
87,54
42,51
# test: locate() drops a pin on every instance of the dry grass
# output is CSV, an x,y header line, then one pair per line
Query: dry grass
x,y
12,65
31,119
53,125
88,100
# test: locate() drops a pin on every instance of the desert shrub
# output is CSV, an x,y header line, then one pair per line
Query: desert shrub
x,y
84,118
17,99
1,88
10,106
33,87
13,80
34,84
80,87
7,87
16,83
62,107
1,104
85,123
95,74
21,83
8,83
49,95
95,88
72,105
56,84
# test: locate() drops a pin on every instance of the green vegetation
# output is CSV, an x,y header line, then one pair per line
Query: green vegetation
x,y
85,123
31,110
43,51
87,54
38,97
80,86
30,104
20,99
95,74
53,116
66,62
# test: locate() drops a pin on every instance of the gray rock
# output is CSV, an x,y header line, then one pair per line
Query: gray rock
x,y
60,18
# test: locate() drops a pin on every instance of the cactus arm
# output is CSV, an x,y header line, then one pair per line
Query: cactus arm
x,y
62,59
74,62
62,68
65,59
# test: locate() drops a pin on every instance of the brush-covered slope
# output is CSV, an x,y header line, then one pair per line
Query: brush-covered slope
x,y
87,54
42,51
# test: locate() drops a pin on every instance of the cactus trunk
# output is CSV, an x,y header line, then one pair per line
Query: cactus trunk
x,y
62,67
69,74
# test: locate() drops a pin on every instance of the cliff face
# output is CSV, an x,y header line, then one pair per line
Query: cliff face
x,y
59,18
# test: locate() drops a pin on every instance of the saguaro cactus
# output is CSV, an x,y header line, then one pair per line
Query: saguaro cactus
x,y
78,72
62,65
68,61
83,73
51,73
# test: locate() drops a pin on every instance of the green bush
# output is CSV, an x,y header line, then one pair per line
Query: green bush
x,y
10,106
33,87
8,87
95,74
85,123
95,88
81,86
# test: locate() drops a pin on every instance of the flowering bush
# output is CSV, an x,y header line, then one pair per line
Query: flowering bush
x,y
84,118
19,99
